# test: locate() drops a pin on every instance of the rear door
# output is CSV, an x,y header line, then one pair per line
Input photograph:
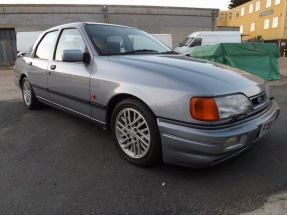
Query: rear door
x,y
37,64
69,83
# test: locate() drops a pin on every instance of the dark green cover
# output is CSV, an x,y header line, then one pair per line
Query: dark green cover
x,y
260,59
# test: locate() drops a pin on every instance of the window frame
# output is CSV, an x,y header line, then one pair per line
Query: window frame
x,y
251,7
242,11
53,45
266,26
277,22
257,6
277,2
241,29
229,15
252,26
58,40
268,3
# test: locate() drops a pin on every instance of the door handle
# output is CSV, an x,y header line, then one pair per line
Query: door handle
x,y
53,67
29,64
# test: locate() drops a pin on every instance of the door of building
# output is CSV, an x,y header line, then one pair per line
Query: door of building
x,y
7,46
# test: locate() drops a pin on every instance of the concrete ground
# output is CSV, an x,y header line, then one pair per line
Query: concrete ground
x,y
283,72
275,205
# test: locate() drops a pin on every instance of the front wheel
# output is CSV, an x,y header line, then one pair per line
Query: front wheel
x,y
28,94
135,133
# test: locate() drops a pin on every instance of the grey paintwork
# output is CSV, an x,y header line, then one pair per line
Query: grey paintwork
x,y
166,83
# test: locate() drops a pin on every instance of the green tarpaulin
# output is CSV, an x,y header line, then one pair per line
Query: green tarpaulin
x,y
257,58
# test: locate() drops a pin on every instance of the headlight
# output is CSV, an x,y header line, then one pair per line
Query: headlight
x,y
232,105
218,108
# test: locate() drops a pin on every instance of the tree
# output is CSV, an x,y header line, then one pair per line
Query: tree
x,y
236,3
257,38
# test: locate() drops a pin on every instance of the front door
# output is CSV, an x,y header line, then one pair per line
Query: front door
x,y
69,82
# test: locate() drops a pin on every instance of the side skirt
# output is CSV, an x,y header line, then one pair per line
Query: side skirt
x,y
99,123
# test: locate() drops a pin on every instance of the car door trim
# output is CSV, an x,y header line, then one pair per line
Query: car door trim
x,y
70,96
76,112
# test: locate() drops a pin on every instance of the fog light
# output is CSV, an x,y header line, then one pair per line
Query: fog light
x,y
243,139
231,142
234,142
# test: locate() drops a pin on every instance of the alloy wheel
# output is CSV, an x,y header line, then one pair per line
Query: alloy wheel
x,y
132,133
27,93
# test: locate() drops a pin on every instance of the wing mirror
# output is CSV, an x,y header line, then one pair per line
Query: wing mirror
x,y
75,56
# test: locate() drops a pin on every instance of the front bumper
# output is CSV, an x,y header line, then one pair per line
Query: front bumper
x,y
200,147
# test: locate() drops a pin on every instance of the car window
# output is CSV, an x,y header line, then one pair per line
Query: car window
x,y
110,40
45,47
186,41
70,39
142,42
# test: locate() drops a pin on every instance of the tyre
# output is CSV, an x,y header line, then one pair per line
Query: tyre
x,y
28,94
135,132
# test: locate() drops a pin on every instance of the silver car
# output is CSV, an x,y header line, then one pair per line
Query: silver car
x,y
156,104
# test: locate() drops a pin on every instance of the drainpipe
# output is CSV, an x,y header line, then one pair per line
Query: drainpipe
x,y
214,21
105,12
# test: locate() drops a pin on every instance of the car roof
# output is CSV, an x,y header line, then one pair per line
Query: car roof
x,y
74,24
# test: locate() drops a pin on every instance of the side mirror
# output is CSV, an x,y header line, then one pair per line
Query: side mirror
x,y
75,56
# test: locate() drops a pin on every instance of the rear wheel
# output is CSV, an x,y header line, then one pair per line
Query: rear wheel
x,y
28,94
135,133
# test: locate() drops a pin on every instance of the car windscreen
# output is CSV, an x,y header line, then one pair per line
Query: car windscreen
x,y
186,41
118,40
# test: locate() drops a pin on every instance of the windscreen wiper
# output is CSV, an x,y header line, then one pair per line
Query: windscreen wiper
x,y
140,51
169,52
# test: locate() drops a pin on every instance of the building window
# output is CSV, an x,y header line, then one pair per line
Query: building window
x,y
251,8
221,17
268,3
242,11
266,23
230,15
257,6
241,29
275,22
237,13
277,2
252,27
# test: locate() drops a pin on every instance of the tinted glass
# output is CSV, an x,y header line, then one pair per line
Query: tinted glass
x,y
70,39
45,48
110,40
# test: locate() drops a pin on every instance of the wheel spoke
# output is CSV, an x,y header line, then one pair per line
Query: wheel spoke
x,y
122,141
132,133
121,125
122,131
135,121
140,124
143,136
128,145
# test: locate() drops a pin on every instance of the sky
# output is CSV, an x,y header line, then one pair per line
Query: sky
x,y
220,4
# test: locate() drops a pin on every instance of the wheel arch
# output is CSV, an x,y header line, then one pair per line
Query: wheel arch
x,y
21,79
115,100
